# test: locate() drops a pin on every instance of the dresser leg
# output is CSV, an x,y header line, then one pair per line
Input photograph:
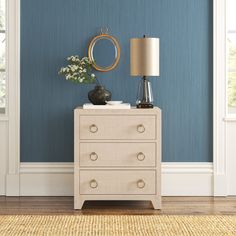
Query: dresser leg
x,y
78,204
156,203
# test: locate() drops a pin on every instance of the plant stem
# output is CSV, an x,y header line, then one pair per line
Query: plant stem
x,y
97,81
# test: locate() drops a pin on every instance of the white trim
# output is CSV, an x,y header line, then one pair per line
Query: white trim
x,y
13,107
230,119
56,179
187,167
187,179
219,99
3,155
4,118
46,179
68,167
46,167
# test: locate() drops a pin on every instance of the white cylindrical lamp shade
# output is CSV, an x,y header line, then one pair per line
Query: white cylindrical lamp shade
x,y
144,57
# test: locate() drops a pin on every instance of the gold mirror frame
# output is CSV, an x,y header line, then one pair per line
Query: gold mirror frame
x,y
116,44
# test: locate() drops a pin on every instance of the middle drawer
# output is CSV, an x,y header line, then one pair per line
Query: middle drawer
x,y
117,155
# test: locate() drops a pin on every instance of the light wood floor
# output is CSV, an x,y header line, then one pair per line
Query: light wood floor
x,y
171,205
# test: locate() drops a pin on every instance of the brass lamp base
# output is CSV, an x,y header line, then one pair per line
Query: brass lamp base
x,y
144,105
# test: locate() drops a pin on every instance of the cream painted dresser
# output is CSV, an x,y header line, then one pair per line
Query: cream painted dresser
x,y
117,155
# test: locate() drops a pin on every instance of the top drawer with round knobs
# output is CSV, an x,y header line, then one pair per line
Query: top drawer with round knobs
x,y
117,127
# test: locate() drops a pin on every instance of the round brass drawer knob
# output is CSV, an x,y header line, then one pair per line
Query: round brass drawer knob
x,y
140,183
140,156
93,183
93,156
93,128
141,128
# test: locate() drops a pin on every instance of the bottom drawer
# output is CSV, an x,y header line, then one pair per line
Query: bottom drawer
x,y
117,182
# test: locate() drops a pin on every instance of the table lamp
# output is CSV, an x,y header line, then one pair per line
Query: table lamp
x,y
144,61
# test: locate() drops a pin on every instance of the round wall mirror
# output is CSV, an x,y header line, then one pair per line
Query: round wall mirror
x,y
104,52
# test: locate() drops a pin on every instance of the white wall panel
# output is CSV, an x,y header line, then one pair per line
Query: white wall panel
x,y
3,154
231,157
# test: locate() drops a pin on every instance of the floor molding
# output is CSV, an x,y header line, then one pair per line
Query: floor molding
x,y
56,179
187,179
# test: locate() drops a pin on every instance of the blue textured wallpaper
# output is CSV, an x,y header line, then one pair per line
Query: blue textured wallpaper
x,y
51,30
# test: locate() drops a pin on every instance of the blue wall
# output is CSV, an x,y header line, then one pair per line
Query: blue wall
x,y
54,29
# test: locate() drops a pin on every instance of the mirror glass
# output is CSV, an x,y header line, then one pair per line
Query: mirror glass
x,y
104,51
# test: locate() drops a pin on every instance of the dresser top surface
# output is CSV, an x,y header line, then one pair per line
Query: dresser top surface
x,y
133,110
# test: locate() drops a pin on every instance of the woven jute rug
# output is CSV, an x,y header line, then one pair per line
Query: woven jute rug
x,y
117,225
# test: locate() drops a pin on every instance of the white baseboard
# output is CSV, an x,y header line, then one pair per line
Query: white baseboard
x,y
220,185
12,185
56,179
46,179
187,179
46,184
2,184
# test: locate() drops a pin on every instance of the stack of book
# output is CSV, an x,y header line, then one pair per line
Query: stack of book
x,y
107,106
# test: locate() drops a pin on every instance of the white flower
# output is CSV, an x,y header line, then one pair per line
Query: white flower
x,y
77,69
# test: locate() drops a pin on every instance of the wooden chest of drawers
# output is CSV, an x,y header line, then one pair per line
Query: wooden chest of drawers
x,y
117,155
